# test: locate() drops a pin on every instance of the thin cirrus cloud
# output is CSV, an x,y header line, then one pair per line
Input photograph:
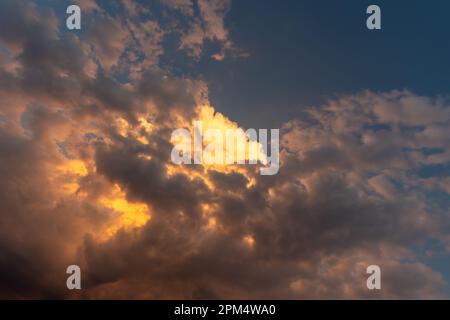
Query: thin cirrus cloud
x,y
85,124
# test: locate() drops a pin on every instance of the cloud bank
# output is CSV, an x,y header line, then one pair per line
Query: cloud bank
x,y
85,125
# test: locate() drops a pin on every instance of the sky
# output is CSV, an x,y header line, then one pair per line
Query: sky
x,y
86,118
313,51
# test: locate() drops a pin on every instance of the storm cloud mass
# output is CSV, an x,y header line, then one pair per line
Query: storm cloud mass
x,y
86,178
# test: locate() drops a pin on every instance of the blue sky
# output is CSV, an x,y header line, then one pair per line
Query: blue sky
x,y
305,52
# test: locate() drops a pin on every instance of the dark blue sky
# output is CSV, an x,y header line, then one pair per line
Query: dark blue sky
x,y
304,52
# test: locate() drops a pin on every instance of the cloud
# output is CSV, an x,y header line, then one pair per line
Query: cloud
x,y
87,179
204,23
355,203
184,6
